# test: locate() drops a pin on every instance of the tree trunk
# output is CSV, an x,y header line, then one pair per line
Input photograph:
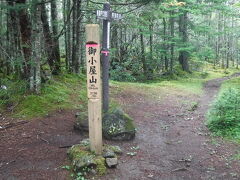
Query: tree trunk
x,y
68,36
143,58
56,50
172,39
150,67
165,43
49,42
183,54
35,80
25,29
78,37
74,20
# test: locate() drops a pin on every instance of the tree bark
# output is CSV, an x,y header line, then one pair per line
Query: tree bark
x,y
25,29
74,18
183,54
49,42
35,80
172,39
54,21
165,44
143,58
77,60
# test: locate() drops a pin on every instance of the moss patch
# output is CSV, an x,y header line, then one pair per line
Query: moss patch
x,y
65,92
101,168
78,151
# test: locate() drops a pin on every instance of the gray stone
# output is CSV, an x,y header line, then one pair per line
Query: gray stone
x,y
81,122
111,162
117,125
108,154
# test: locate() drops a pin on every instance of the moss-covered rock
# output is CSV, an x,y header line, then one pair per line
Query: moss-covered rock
x,y
81,157
115,149
83,160
117,125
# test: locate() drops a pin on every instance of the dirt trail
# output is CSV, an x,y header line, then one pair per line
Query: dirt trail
x,y
172,143
31,151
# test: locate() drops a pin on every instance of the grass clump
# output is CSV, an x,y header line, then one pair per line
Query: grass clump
x,y
224,116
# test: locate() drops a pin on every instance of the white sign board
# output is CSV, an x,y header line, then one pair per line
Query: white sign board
x,y
93,71
108,15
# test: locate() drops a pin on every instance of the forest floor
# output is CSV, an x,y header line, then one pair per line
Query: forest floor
x,y
172,142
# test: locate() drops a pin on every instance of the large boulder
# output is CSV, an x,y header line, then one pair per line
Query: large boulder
x,y
116,125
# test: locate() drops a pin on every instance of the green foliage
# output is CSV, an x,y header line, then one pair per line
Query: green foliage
x,y
65,92
79,176
101,168
11,92
224,116
66,167
120,73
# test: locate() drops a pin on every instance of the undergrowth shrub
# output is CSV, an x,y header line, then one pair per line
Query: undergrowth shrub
x,y
119,73
224,116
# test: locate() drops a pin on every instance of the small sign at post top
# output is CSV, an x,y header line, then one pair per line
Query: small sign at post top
x,y
108,15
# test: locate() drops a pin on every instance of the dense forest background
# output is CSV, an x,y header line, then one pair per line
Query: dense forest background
x,y
42,38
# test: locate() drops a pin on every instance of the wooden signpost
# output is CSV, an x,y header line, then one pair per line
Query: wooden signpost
x,y
107,16
94,87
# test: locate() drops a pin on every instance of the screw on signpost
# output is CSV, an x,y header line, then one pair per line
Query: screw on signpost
x,y
107,16
94,87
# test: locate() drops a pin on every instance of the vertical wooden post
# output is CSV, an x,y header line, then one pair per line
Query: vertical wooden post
x,y
94,87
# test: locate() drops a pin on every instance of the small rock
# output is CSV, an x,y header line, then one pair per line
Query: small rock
x,y
132,153
93,171
135,148
109,154
115,149
77,114
150,175
85,142
111,162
